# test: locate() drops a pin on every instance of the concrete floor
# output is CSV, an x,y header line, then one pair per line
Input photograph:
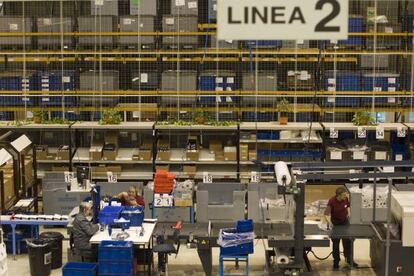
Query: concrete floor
x,y
187,262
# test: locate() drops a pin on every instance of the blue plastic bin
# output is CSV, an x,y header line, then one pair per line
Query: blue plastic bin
x,y
355,25
243,245
134,214
243,226
116,268
264,43
116,251
80,269
109,213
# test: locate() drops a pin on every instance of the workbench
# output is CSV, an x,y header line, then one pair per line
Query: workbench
x,y
6,220
205,235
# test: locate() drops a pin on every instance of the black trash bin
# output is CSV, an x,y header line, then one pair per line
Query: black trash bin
x,y
40,257
55,239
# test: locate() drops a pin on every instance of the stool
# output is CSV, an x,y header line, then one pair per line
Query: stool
x,y
233,258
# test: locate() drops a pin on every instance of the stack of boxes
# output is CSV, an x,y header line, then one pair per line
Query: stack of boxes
x,y
217,81
164,151
163,182
14,24
116,258
192,152
58,81
110,149
54,26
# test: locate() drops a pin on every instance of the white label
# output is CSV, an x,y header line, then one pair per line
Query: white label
x,y
215,7
219,80
391,80
219,88
45,99
68,177
99,2
304,75
134,136
379,132
336,155
167,200
398,157
47,258
230,80
401,132
136,114
291,73
192,5
391,89
358,155
333,133
112,178
287,20
169,20
47,21
391,100
377,89
362,132
127,21
65,79
331,81
13,27
380,155
254,177
158,202
388,30
144,77
331,88
207,178
334,41
180,3
331,99
300,41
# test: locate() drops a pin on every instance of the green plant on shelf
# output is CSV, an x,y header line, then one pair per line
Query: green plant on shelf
x,y
111,117
283,106
19,123
363,118
39,117
56,121
220,123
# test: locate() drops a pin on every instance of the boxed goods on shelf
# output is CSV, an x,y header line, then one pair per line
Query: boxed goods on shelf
x,y
180,24
144,79
291,44
18,81
92,24
54,25
217,81
95,153
215,146
336,151
164,152
252,155
143,7
381,81
379,151
230,153
106,7
187,81
342,81
63,152
143,24
263,44
244,152
223,44
299,80
184,7
57,81
355,25
192,151
399,152
106,80
381,61
383,42
109,152
190,170
41,152
15,24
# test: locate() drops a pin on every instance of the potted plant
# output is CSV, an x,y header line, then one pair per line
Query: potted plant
x,y
283,107
39,117
111,117
199,118
363,118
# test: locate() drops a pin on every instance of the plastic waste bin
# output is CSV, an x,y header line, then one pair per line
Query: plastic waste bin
x,y
55,239
40,257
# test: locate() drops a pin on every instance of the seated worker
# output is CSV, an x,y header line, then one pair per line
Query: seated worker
x,y
338,209
83,230
131,198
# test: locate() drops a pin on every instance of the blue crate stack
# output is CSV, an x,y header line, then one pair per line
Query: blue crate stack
x,y
355,25
239,236
344,81
58,81
381,82
18,81
217,81
116,258
80,269
134,214
264,43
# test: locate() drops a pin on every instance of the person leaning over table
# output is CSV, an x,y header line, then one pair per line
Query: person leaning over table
x,y
131,198
338,210
83,230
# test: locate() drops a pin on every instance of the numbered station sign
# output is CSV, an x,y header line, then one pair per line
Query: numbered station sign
x,y
112,178
69,177
380,133
254,177
362,132
333,133
401,132
281,19
207,178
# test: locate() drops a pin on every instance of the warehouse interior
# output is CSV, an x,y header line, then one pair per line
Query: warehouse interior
x,y
134,141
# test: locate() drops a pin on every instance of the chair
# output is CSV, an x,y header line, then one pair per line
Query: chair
x,y
166,247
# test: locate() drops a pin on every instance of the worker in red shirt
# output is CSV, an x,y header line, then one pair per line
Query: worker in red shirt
x,y
131,198
338,209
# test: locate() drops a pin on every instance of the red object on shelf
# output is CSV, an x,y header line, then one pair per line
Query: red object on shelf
x,y
163,182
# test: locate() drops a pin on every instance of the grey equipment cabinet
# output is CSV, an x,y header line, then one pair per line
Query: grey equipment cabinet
x,y
96,25
265,81
14,24
54,25
184,7
137,24
180,24
143,7
220,202
223,44
179,81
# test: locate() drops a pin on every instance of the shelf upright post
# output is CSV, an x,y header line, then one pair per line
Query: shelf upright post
x,y
154,147
323,136
2,203
238,151
35,181
71,154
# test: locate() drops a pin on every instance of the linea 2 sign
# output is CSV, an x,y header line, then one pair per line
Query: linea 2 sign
x,y
282,19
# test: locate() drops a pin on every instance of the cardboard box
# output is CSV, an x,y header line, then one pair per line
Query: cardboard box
x,y
190,170
110,154
219,155
181,202
95,153
62,153
215,145
252,155
230,153
145,155
192,155
41,152
114,169
162,167
164,155
60,169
